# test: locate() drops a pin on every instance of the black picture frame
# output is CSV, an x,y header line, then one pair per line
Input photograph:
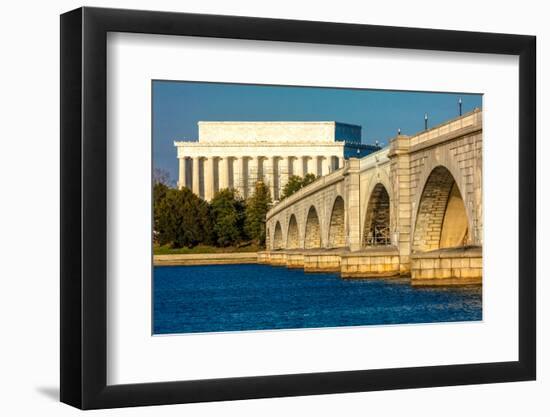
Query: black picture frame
x,y
84,207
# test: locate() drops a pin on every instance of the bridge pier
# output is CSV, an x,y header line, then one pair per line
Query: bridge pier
x,y
277,258
371,263
447,266
294,260
452,266
322,261
401,184
354,203
263,257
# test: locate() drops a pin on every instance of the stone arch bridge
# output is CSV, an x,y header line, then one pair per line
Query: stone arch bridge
x,y
413,208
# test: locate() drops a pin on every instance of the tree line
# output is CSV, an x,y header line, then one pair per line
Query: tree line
x,y
183,219
295,183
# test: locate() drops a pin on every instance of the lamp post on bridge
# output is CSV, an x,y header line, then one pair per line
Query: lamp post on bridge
x,y
460,106
425,121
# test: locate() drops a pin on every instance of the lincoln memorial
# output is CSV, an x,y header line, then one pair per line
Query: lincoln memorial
x,y
238,154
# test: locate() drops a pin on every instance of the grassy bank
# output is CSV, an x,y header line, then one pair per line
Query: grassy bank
x,y
167,250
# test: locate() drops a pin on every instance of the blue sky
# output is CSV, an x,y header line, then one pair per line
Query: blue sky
x,y
179,105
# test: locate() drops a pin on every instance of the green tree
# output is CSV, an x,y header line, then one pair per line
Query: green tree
x,y
227,211
295,183
159,193
180,218
257,207
308,179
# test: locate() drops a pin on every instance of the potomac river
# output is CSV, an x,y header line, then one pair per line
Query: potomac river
x,y
221,298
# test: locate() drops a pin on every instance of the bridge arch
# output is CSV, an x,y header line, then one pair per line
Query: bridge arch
x,y
337,226
278,236
312,235
442,220
293,234
376,227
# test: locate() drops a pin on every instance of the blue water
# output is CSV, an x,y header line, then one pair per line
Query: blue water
x,y
220,298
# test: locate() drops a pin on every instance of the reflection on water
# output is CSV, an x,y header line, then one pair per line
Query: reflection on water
x,y
220,298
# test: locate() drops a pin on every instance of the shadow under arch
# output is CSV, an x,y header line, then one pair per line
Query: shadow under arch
x,y
337,230
376,229
278,236
293,235
312,235
441,218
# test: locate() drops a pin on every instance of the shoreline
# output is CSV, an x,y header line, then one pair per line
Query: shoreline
x,y
206,259
300,259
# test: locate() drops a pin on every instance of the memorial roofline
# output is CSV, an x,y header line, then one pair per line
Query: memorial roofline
x,y
276,122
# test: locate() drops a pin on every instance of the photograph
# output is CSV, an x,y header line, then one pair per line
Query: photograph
x,y
275,209
279,207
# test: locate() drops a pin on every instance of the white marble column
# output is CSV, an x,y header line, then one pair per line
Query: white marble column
x,y
243,165
289,167
209,178
318,168
252,175
261,164
245,175
277,176
231,172
182,181
310,163
269,175
300,166
285,172
327,165
340,162
196,176
238,175
224,173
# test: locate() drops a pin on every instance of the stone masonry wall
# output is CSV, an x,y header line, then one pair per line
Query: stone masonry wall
x,y
462,156
337,232
404,170
432,210
313,230
293,235
402,196
444,267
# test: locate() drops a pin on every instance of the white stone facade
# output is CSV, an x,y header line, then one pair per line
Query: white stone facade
x,y
238,154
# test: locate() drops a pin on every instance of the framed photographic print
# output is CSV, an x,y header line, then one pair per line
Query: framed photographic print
x,y
257,208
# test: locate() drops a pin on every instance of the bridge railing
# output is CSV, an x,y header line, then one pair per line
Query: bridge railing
x,y
374,159
309,189
468,120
